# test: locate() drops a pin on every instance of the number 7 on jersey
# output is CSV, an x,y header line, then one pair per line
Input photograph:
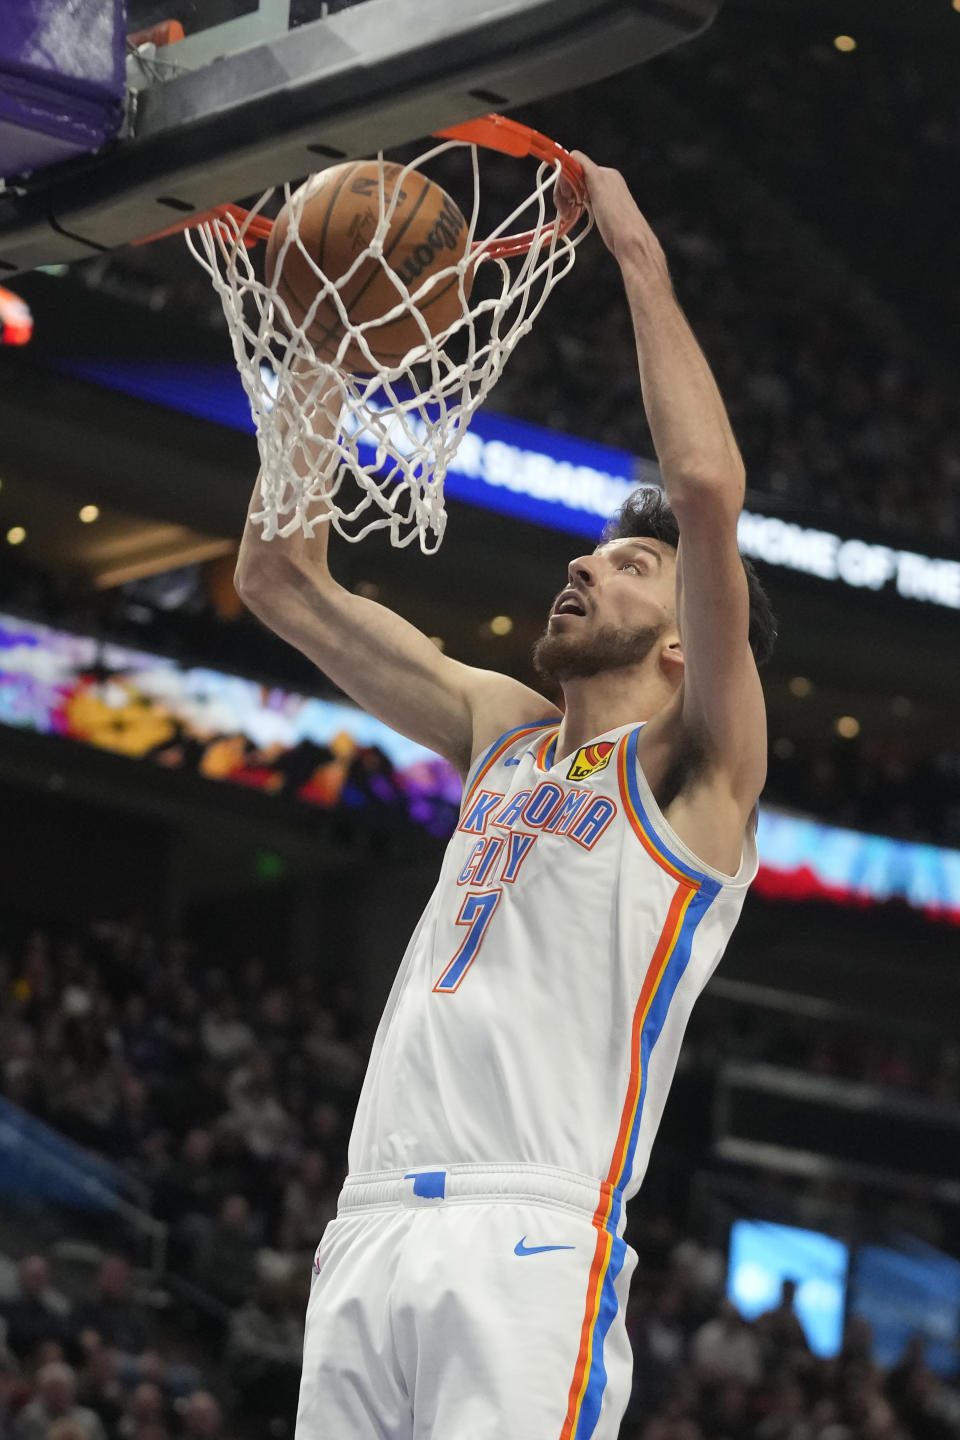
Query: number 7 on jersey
x,y
476,912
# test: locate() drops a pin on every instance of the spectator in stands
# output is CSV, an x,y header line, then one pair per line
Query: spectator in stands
x,y
225,1254
231,1161
872,1414
335,1059
256,1112
175,1378
787,1417
143,1407
8,1387
226,1038
901,1376
153,1430
48,1352
66,1429
265,1350
203,1417
826,1422
928,1410
113,1316
190,1185
725,1411
34,989
99,1387
275,1024
856,1354
780,1329
133,1122
35,1314
659,1347
309,1202
143,1031
56,1399
22,1071
326,1129
183,1023
702,1267
725,1348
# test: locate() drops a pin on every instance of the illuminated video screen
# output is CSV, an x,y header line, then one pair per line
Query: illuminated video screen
x,y
763,1255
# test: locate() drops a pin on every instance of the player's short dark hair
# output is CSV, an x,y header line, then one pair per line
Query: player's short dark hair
x,y
646,513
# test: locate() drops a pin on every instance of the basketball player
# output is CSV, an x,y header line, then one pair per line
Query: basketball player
x,y
473,1284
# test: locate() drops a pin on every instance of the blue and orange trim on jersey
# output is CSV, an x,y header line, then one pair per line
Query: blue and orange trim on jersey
x,y
547,749
691,899
497,750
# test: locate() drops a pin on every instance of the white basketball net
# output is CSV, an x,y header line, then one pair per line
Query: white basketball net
x,y
399,427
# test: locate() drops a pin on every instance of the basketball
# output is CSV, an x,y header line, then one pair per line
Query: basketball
x,y
426,236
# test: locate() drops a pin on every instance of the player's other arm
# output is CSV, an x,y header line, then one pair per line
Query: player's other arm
x,y
721,702
377,658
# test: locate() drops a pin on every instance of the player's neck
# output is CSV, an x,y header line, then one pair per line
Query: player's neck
x,y
597,703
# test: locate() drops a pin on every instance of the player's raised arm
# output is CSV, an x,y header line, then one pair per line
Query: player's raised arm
x,y
721,702
377,658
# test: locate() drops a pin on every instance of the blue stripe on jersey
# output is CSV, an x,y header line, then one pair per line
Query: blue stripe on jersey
x,y
656,1018
477,766
606,1314
660,1005
656,840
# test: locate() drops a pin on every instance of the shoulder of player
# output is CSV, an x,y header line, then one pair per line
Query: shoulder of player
x,y
498,704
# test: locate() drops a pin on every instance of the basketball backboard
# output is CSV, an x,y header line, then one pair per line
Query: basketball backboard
x,y
258,92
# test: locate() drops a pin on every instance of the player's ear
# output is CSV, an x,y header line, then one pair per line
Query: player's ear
x,y
671,657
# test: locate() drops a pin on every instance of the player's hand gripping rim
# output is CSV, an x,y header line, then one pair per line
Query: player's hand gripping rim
x,y
623,228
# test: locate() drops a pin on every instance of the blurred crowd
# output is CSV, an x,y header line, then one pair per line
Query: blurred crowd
x,y
701,1372
83,1370
92,1369
836,407
229,1098
864,143
877,785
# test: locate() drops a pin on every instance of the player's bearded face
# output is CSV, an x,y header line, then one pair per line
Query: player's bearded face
x,y
573,656
619,603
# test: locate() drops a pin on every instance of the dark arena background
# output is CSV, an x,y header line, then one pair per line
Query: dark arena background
x,y
211,861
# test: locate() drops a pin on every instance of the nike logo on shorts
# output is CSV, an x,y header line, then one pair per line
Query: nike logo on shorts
x,y
521,1249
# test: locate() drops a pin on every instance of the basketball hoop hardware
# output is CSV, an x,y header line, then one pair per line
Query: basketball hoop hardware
x,y
396,426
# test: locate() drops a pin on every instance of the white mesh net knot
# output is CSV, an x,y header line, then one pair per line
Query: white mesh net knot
x,y
371,451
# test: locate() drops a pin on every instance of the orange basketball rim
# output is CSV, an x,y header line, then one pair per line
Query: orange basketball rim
x,y
491,132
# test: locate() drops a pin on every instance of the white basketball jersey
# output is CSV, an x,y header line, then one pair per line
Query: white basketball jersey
x,y
539,1009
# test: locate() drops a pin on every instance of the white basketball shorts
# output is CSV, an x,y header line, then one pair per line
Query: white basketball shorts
x,y
470,1302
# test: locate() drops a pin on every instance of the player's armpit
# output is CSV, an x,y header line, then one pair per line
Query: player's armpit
x,y
722,705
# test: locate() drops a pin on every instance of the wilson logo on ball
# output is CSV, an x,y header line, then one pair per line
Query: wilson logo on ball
x,y
443,236
591,758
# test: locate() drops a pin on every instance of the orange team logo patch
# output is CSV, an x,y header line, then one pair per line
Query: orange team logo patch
x,y
591,758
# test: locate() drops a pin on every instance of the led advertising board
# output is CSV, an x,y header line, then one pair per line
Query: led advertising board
x,y
231,729
905,1295
556,480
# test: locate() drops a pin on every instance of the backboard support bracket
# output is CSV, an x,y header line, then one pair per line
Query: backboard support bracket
x,y
375,75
